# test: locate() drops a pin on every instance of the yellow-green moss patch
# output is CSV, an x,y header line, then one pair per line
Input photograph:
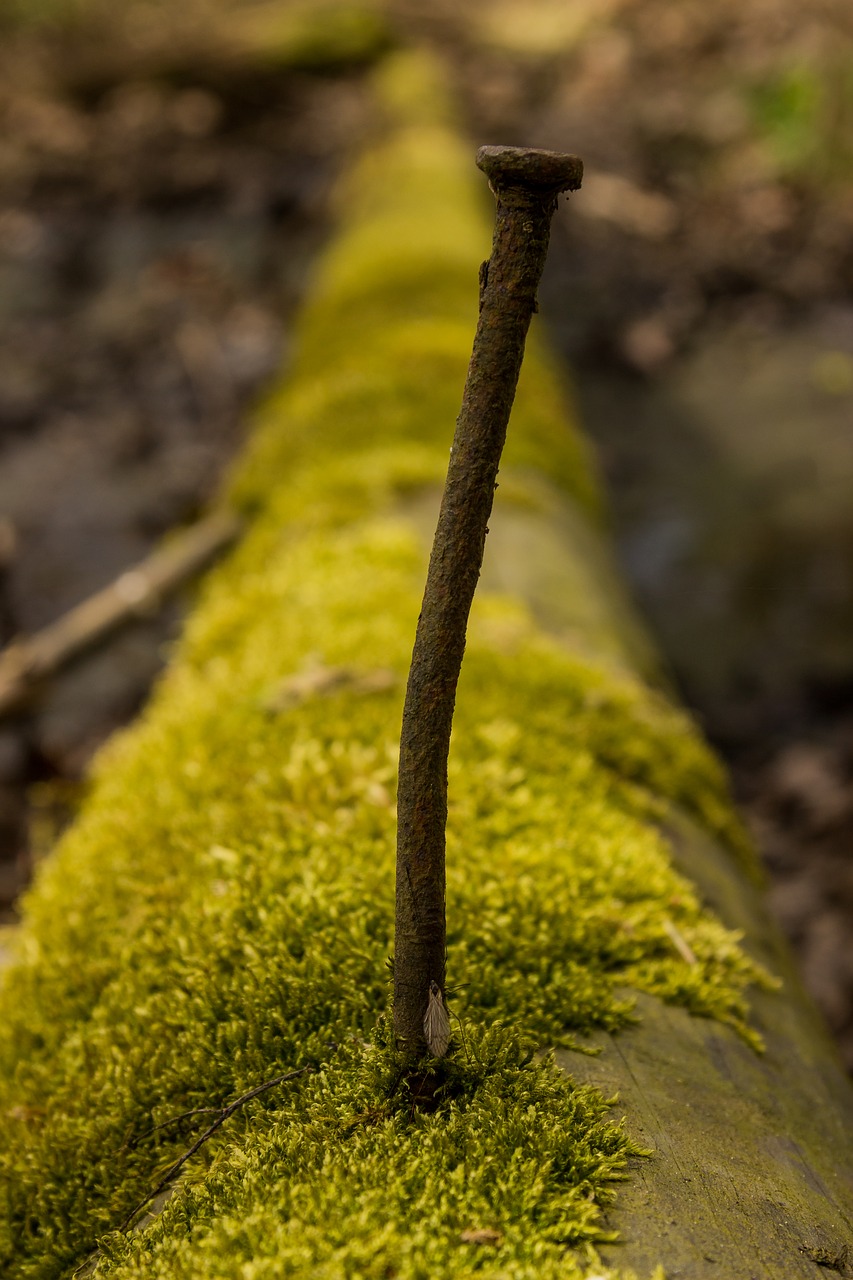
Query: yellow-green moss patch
x,y
222,910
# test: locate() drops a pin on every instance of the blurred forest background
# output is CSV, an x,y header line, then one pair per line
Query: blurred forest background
x,y
165,182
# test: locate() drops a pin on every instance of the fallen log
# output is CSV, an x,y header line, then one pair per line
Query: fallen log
x,y
220,915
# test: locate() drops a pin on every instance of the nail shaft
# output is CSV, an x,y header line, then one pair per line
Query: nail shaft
x,y
525,183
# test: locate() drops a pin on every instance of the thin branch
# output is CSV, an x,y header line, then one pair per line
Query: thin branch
x,y
185,1115
225,1114
135,593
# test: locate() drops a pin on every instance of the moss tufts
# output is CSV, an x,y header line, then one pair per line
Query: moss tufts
x,y
350,1178
222,910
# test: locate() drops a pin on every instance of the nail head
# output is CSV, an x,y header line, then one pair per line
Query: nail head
x,y
530,168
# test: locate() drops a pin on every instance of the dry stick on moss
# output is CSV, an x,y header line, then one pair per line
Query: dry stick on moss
x,y
167,1124
225,1114
136,593
526,183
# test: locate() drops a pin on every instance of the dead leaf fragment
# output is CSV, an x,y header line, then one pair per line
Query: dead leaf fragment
x,y
319,681
482,1235
680,943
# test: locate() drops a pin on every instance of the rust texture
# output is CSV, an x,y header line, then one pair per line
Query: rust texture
x,y
525,183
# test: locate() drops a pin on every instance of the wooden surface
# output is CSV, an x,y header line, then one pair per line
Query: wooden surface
x,y
751,1176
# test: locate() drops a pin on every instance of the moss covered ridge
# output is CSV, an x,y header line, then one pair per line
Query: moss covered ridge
x,y
221,911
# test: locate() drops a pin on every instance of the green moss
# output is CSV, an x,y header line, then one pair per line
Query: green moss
x,y
398,1170
315,35
222,909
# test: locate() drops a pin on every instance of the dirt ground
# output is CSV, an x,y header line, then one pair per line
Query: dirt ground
x,y
158,219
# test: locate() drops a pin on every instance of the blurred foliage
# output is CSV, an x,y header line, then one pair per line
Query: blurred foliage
x,y
311,36
34,13
805,116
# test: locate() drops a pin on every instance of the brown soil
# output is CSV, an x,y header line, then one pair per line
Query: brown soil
x,y
157,222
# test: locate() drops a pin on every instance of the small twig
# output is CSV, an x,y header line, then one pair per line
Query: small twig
x,y
225,1114
464,1038
133,594
318,681
185,1115
680,943
526,184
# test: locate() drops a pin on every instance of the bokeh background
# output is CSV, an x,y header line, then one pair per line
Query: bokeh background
x,y
165,183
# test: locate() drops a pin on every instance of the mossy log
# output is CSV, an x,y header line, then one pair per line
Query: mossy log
x,y
221,912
